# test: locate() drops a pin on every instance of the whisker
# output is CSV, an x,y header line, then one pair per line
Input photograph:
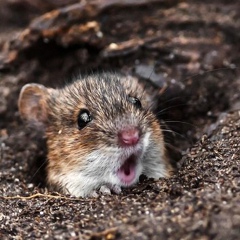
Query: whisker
x,y
187,123
211,71
174,132
170,100
167,108
39,168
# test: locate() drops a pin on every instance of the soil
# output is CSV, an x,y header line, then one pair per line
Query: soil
x,y
187,50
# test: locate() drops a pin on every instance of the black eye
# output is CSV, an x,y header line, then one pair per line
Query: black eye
x,y
135,101
84,118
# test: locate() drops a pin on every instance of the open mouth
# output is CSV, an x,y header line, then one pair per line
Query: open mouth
x,y
127,172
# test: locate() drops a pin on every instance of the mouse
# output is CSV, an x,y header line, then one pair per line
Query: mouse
x,y
101,133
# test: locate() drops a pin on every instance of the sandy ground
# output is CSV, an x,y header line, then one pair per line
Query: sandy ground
x,y
172,46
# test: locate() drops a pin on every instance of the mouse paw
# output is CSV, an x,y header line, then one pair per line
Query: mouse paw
x,y
93,194
105,190
116,189
108,189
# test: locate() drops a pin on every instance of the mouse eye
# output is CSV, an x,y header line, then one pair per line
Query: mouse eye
x,y
135,101
84,118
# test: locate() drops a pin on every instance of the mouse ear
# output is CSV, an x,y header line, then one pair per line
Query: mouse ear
x,y
32,103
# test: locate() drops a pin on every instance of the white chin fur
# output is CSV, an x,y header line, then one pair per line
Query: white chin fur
x,y
81,185
102,166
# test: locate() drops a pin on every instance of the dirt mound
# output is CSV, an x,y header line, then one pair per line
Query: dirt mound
x,y
171,45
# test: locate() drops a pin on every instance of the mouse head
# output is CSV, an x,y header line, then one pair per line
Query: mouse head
x,y
100,131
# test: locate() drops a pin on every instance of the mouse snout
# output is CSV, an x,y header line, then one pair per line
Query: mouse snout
x,y
129,136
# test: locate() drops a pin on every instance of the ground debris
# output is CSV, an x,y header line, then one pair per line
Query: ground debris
x,y
164,43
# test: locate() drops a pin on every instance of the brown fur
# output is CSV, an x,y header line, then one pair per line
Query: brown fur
x,y
105,96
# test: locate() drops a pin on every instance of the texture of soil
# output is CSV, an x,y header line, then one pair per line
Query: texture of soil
x,y
189,51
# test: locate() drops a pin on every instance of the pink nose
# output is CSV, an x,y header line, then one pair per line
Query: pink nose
x,y
129,137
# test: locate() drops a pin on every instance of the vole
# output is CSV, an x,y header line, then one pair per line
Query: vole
x,y
101,133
